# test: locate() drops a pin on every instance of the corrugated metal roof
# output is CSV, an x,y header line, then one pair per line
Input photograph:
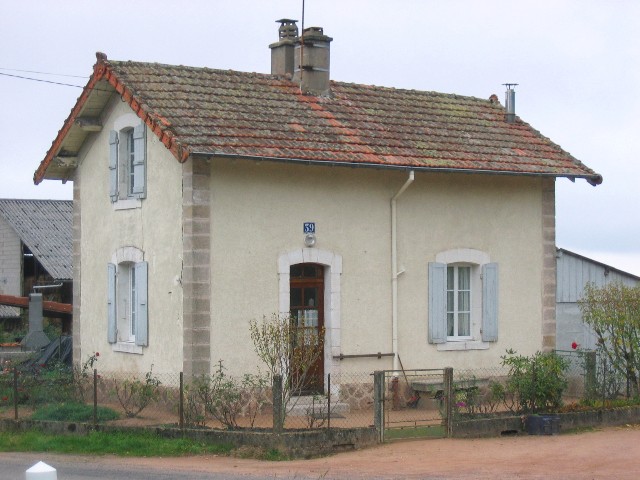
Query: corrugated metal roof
x,y
228,113
45,227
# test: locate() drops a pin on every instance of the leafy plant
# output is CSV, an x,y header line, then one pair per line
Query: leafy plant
x,y
135,395
537,381
613,311
225,398
288,352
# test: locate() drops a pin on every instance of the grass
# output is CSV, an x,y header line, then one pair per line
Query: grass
x,y
436,431
101,443
73,412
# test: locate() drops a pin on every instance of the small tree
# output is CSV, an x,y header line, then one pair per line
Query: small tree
x,y
288,351
613,311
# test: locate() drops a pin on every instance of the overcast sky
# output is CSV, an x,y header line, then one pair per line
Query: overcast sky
x,y
577,63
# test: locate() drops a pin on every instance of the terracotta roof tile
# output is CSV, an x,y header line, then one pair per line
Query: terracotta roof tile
x,y
218,112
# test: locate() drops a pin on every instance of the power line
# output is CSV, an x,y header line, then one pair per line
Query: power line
x,y
43,73
40,80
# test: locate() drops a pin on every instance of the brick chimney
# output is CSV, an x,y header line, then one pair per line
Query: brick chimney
x,y
312,72
282,52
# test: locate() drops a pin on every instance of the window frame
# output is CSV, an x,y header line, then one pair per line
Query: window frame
x,y
456,311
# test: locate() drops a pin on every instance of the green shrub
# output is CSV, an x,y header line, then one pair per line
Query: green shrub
x,y
73,412
537,382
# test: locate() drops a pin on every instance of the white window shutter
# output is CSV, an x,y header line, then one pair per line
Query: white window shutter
x,y
142,308
139,161
112,325
113,165
437,303
490,302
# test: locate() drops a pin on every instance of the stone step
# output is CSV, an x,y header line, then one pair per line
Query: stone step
x,y
315,406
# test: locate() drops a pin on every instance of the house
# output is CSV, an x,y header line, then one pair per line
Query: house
x,y
35,256
417,228
574,272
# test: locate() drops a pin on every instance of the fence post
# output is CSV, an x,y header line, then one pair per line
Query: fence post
x,y
276,391
181,405
448,401
590,384
378,403
328,401
95,397
15,393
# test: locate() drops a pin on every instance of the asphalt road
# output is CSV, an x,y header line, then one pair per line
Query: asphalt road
x,y
14,465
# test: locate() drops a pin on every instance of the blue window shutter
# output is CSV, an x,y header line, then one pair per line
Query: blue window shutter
x,y
437,303
113,165
142,308
139,161
490,302
112,326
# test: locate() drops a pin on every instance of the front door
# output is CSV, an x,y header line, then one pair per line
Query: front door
x,y
307,317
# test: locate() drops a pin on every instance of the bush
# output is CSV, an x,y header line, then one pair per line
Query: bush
x,y
136,395
537,382
73,412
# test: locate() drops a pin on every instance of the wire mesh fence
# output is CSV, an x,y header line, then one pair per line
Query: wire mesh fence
x,y
413,402
170,400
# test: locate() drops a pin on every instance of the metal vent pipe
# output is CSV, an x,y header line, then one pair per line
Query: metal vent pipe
x,y
510,102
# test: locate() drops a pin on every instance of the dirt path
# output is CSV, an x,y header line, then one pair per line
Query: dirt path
x,y
611,453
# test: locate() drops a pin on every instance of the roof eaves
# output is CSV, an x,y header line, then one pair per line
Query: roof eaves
x,y
562,251
103,70
591,179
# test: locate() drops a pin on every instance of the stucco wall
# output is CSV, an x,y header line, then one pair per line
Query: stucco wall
x,y
154,228
258,211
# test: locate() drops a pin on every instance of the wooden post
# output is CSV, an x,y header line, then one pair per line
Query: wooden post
x,y
181,405
448,400
276,391
378,403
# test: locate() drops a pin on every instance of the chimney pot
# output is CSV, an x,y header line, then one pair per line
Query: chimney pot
x,y
312,61
282,52
510,102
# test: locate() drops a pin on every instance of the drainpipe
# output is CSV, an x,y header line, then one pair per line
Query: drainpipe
x,y
394,270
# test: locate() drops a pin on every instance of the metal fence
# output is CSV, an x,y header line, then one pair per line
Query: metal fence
x,y
171,400
413,403
403,403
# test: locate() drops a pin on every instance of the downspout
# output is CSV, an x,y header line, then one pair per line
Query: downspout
x,y
394,270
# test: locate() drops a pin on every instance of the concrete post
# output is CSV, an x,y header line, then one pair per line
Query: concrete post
x,y
378,403
278,414
448,400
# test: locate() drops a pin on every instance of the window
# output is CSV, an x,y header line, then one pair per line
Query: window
x,y
127,304
127,162
458,301
463,300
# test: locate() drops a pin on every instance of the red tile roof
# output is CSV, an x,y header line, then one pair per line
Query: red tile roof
x,y
228,113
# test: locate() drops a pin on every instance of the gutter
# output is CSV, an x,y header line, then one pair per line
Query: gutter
x,y
394,270
594,179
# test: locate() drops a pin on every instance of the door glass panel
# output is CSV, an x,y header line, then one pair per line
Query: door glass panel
x,y
310,297
296,297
